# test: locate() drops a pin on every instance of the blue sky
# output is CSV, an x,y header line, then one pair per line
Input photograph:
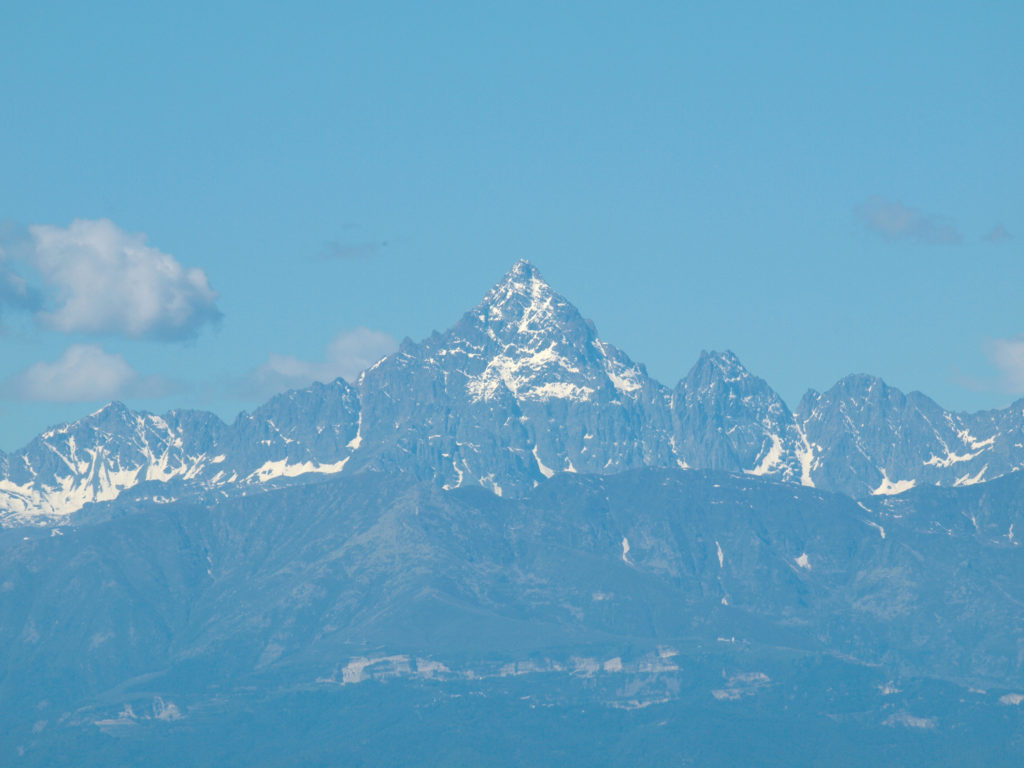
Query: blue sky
x,y
203,203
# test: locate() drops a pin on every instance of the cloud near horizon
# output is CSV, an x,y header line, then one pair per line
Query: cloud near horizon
x,y
895,221
83,373
108,281
347,355
1008,356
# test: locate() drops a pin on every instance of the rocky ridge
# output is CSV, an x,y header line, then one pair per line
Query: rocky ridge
x,y
519,389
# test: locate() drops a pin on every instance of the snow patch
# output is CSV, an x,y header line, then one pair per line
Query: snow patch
x,y
544,468
889,488
518,373
880,529
626,383
974,443
805,455
949,459
357,441
969,479
274,469
772,459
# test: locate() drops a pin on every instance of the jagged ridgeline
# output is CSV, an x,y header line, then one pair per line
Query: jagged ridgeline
x,y
519,389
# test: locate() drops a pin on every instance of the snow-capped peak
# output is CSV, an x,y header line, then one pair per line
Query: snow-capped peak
x,y
523,304
526,338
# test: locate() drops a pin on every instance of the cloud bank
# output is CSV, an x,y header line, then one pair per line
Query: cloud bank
x,y
1008,356
895,221
83,373
107,281
346,356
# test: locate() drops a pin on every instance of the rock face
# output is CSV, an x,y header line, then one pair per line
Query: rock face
x,y
519,389
873,439
725,418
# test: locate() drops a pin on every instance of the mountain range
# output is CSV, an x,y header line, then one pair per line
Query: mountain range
x,y
519,389
508,545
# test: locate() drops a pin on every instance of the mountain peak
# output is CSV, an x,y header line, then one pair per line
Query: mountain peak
x,y
526,338
114,407
523,269
861,386
523,305
522,280
718,366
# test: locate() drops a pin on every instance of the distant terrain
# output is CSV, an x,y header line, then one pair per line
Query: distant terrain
x,y
508,545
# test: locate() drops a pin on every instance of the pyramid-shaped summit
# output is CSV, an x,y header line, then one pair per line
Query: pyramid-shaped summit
x,y
520,388
526,338
522,307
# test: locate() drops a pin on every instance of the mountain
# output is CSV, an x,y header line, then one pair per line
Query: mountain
x,y
508,545
520,389
725,418
873,439
734,604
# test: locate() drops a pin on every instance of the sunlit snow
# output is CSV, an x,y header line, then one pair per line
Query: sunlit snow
x,y
889,488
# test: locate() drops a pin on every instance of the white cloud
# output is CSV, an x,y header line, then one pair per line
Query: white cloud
x,y
109,281
83,373
895,221
346,356
1008,357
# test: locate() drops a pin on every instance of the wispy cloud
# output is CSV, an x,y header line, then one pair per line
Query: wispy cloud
x,y
339,251
1008,356
998,234
107,281
895,221
346,356
83,373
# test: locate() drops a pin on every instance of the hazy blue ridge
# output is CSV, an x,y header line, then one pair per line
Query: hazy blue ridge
x,y
598,598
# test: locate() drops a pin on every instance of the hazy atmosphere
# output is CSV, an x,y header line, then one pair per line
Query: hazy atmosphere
x,y
206,204
526,384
